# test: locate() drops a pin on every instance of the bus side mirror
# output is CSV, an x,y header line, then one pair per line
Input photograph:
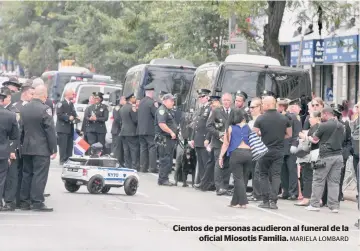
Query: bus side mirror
x,y
218,89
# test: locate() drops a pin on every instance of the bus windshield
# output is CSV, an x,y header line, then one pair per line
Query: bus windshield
x,y
172,80
284,85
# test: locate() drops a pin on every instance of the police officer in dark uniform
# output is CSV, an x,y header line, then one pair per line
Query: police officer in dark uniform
x,y
95,116
14,86
129,119
117,147
289,177
146,130
7,101
14,176
38,81
165,137
199,133
38,145
66,118
216,125
8,131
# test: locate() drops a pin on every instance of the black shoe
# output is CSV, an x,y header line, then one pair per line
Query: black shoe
x,y
252,198
264,204
8,207
167,183
221,192
46,195
283,197
25,206
273,205
292,197
185,184
154,171
41,208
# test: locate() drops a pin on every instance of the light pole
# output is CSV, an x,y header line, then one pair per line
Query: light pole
x,y
308,31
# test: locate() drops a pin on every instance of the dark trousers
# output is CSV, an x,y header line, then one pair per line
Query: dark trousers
x,y
178,163
289,177
202,158
148,154
118,148
221,175
13,182
35,176
131,152
207,182
94,137
240,164
114,143
271,163
256,180
66,145
307,178
342,177
4,167
166,154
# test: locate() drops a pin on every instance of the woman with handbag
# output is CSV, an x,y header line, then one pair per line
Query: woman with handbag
x,y
236,145
307,161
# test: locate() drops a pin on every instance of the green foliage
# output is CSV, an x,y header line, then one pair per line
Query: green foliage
x,y
113,36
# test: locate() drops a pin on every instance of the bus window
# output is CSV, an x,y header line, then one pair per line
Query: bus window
x,y
203,80
245,81
131,83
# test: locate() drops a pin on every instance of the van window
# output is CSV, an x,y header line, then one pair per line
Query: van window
x,y
85,92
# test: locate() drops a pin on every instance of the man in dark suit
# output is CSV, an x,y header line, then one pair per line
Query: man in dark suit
x,y
117,141
129,119
14,176
66,117
216,126
38,145
146,130
8,131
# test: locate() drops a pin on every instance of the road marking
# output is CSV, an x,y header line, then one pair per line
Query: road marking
x,y
142,194
167,205
144,204
19,214
24,225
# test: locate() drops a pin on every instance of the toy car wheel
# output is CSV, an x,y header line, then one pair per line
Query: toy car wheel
x,y
131,185
95,184
71,187
105,189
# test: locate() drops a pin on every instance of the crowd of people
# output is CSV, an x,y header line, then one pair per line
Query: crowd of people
x,y
292,149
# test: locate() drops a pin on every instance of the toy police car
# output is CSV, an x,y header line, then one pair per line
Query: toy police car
x,y
99,174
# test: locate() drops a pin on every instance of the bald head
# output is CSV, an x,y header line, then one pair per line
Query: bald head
x,y
269,103
37,82
40,92
69,94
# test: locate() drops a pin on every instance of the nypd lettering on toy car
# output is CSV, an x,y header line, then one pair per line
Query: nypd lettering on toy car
x,y
113,174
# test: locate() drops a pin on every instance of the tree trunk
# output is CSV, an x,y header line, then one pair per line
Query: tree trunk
x,y
272,29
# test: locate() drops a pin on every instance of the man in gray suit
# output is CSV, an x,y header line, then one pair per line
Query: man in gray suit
x,y
216,126
129,119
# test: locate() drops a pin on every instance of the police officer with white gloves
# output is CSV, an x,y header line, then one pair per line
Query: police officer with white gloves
x,y
8,131
199,133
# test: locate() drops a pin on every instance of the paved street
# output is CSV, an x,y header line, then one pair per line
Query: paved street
x,y
145,221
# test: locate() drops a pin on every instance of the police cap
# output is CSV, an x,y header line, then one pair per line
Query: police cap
x,y
149,87
203,92
5,91
283,101
12,81
98,95
267,93
162,93
97,146
130,96
337,113
168,96
242,94
295,102
214,98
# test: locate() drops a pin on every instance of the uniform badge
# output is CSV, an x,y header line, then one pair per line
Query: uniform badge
x,y
156,104
101,110
161,112
48,111
59,105
117,108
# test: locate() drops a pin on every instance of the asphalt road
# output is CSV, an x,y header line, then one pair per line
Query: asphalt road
x,y
146,221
